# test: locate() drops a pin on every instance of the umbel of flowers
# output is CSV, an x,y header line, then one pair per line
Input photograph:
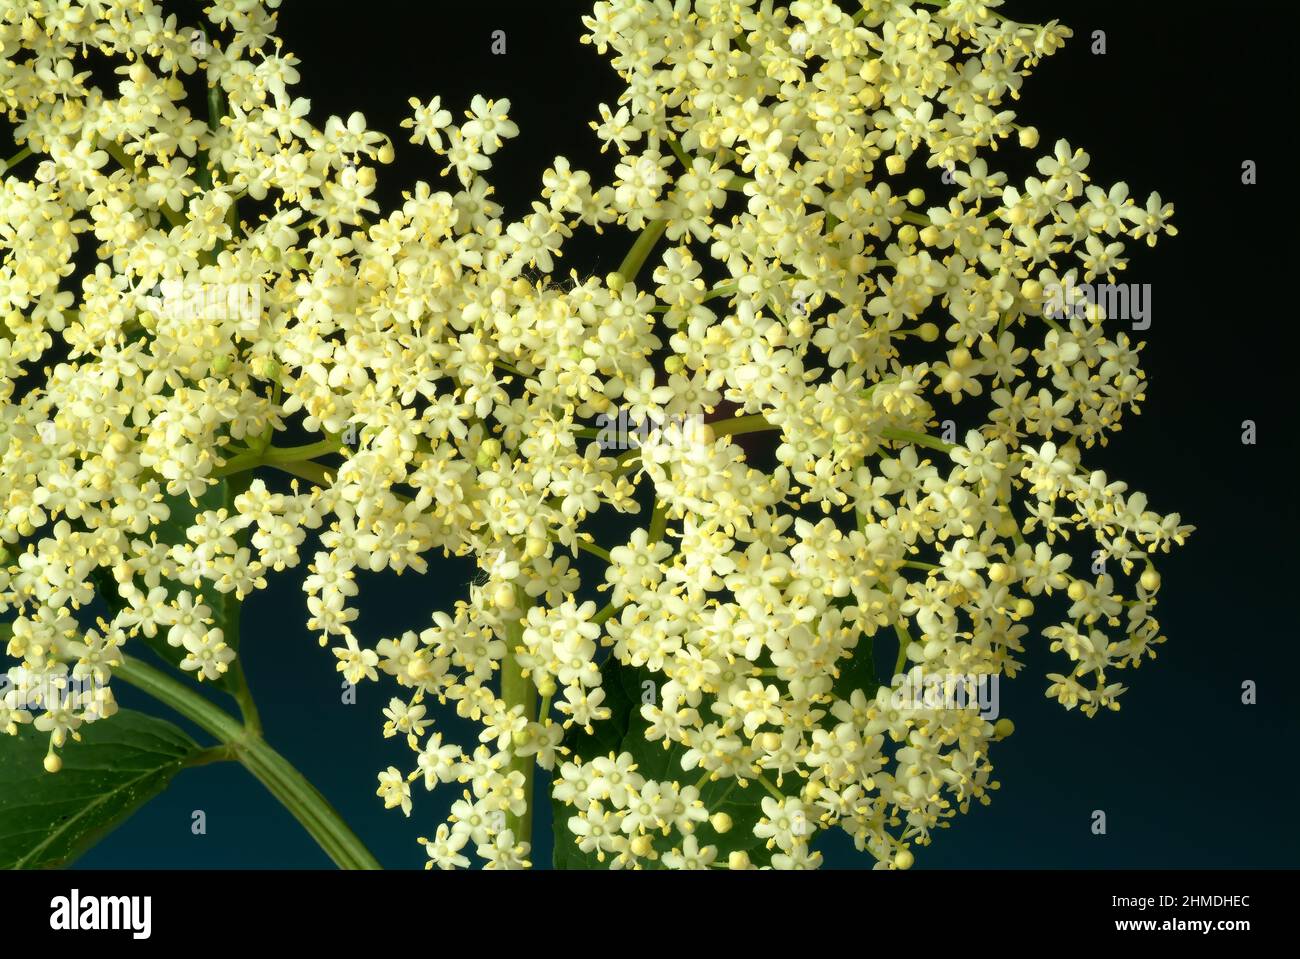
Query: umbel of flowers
x,y
724,706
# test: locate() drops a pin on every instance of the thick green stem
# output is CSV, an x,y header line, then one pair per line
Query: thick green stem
x,y
285,783
16,159
594,550
752,423
274,455
917,439
640,251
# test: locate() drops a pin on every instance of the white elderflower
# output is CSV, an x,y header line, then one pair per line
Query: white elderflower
x,y
449,394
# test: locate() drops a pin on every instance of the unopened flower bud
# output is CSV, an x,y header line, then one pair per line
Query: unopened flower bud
x,y
488,453
700,432
53,762
503,597
721,822
266,368
1150,579
739,859
1003,728
904,859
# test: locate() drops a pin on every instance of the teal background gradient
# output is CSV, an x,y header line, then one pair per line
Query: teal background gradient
x,y
1187,775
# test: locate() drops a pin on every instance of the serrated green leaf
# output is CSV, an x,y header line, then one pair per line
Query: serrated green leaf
x,y
49,819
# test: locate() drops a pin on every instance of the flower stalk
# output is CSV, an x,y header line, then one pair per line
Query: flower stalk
x,y
303,801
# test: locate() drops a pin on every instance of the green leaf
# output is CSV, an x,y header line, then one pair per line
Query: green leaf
x,y
224,606
49,819
624,731
859,672
605,738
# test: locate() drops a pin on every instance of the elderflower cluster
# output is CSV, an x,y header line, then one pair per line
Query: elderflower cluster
x,y
796,288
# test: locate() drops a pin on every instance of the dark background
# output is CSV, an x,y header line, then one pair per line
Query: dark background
x,y
1187,774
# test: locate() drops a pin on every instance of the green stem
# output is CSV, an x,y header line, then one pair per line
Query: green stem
x,y
914,564
766,784
213,754
675,145
594,550
723,289
658,523
752,423
917,439
309,451
315,472
285,783
16,159
275,455
904,640
640,251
